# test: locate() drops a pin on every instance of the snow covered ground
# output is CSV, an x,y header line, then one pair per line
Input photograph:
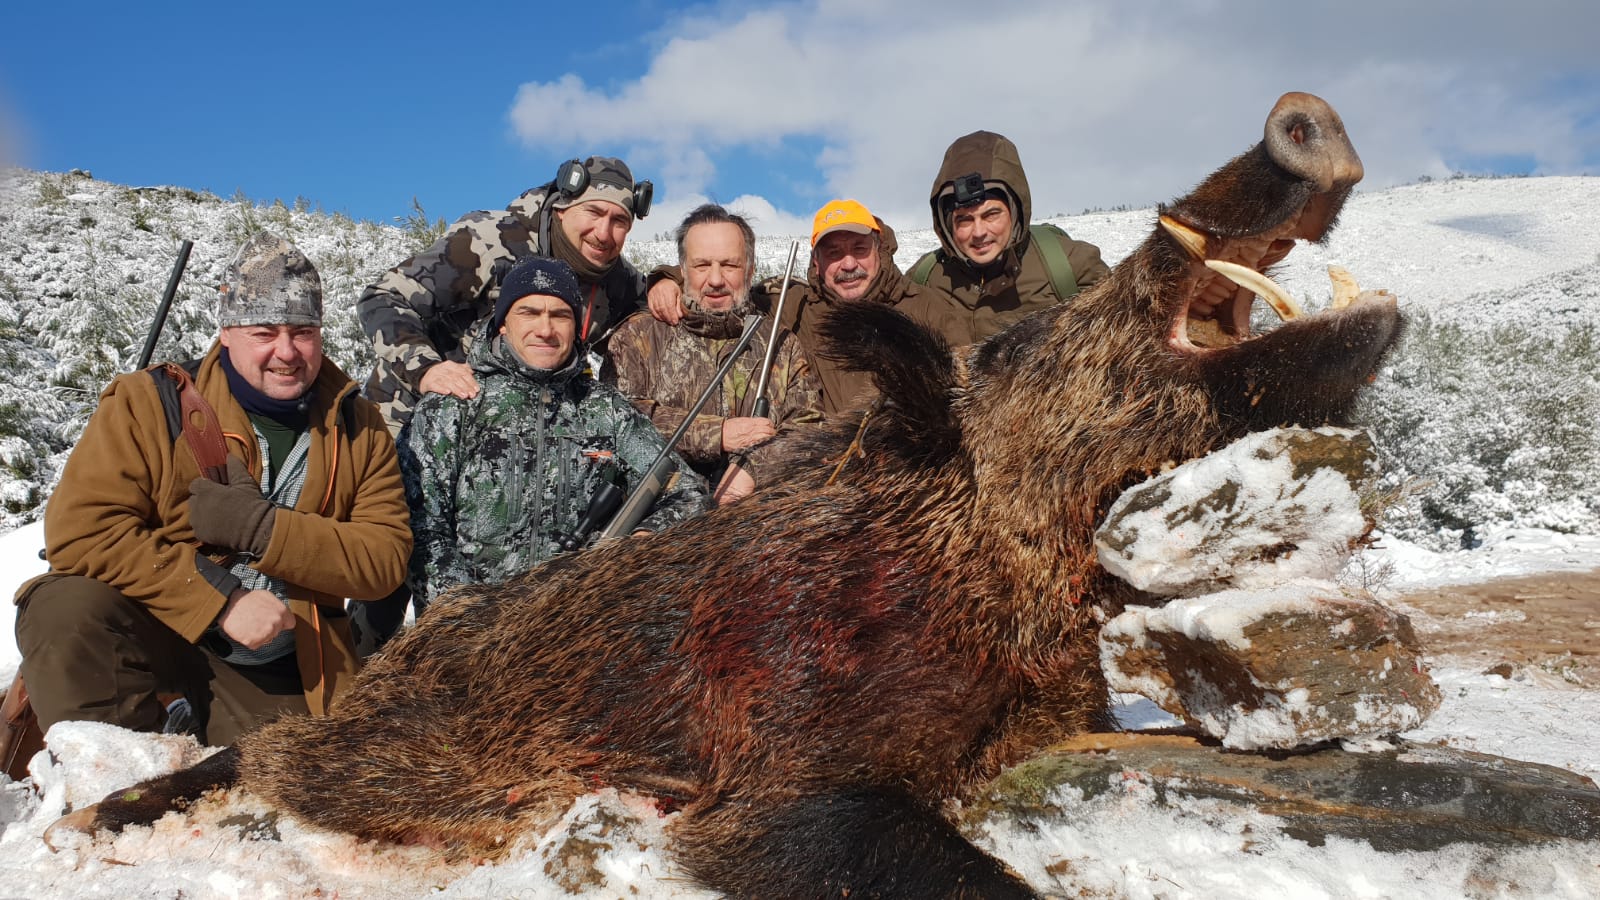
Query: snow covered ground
x,y
1129,847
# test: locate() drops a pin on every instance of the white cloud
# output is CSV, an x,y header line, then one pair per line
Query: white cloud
x,y
1108,103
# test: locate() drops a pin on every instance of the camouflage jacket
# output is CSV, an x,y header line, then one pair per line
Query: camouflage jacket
x,y
494,482
664,368
419,313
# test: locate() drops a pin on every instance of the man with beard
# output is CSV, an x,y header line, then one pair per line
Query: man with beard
x,y
421,314
852,258
992,268
663,368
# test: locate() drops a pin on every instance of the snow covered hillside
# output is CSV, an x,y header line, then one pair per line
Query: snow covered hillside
x,y
1487,418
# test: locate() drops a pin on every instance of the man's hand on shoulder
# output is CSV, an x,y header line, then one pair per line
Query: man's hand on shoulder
x,y
453,378
254,617
233,515
664,299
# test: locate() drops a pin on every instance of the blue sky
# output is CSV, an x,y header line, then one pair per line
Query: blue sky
x,y
777,107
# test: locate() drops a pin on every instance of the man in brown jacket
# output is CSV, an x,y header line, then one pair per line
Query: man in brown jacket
x,y
852,258
991,269
173,597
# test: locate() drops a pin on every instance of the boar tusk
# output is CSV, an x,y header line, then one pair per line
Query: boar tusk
x,y
1192,241
1268,290
1345,289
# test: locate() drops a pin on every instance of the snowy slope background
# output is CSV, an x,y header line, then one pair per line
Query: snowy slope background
x,y
1487,417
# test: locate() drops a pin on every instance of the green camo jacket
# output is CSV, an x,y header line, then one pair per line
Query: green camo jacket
x,y
495,481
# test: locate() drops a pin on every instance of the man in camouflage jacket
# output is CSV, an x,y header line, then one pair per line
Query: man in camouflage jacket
x,y
664,368
420,313
496,481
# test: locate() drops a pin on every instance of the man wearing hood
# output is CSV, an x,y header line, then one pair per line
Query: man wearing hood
x,y
421,313
664,368
991,269
852,259
499,480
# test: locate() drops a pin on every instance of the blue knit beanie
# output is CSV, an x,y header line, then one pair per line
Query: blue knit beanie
x,y
538,275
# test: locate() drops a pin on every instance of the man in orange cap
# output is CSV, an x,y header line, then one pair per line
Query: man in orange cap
x,y
852,259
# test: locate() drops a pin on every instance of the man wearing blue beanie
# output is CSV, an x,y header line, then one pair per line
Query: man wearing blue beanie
x,y
498,482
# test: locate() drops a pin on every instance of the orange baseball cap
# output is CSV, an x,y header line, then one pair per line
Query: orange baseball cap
x,y
842,215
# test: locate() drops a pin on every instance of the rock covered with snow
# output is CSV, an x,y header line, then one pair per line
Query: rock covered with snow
x,y
1274,668
1271,507
1263,651
1474,825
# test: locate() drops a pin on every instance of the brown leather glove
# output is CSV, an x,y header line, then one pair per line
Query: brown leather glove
x,y
232,515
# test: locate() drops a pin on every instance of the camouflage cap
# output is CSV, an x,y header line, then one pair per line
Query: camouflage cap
x,y
609,179
269,282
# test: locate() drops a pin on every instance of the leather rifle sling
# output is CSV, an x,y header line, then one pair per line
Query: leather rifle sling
x,y
201,429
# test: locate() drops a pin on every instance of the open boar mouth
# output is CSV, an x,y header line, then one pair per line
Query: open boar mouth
x,y
1228,274
1247,216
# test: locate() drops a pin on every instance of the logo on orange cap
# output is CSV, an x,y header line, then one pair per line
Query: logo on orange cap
x,y
842,215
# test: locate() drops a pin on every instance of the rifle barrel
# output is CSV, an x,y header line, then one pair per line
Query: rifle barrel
x,y
166,304
763,406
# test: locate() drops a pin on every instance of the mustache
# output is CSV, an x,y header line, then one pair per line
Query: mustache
x,y
694,299
846,276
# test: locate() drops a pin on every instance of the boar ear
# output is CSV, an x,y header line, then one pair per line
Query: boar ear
x,y
914,370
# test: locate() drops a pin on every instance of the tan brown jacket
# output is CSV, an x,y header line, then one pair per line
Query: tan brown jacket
x,y
120,515
808,303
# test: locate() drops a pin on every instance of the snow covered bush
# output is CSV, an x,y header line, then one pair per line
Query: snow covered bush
x,y
1494,424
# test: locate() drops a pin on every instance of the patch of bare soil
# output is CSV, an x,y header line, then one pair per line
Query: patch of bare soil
x,y
1538,624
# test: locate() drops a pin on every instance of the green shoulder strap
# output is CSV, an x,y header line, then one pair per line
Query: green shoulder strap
x,y
924,267
1046,238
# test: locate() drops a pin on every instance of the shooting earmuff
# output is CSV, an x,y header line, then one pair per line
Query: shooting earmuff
x,y
573,178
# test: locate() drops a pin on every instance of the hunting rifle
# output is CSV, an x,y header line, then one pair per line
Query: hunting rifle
x,y
655,480
166,304
763,406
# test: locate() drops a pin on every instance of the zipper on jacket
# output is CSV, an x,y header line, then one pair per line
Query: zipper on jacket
x,y
515,472
535,529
